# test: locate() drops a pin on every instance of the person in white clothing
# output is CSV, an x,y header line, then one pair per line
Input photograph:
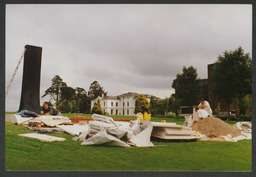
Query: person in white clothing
x,y
201,113
205,106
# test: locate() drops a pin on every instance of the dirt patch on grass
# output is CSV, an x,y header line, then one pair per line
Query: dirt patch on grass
x,y
215,127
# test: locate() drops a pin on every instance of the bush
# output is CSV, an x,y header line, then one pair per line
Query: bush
x,y
245,117
97,108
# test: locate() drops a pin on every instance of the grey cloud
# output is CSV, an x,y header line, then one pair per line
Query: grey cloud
x,y
125,47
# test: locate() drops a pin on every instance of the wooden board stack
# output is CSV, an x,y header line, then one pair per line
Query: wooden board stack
x,y
171,131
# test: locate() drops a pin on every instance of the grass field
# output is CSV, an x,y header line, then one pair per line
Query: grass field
x,y
32,155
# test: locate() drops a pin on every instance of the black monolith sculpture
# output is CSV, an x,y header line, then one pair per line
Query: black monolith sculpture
x,y
30,94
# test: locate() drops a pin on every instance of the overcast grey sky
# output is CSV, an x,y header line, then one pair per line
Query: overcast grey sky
x,y
138,48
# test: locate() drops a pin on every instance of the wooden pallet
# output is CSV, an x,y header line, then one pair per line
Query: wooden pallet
x,y
35,124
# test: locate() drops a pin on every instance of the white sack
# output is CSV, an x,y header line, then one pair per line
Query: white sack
x,y
99,125
105,119
188,121
143,138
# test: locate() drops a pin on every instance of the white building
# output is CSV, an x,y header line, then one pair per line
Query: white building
x,y
123,104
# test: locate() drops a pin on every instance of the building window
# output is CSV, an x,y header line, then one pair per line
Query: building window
x,y
111,103
127,111
116,104
127,103
123,104
116,112
104,103
111,111
123,112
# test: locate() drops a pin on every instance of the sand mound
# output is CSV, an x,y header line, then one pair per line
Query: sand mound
x,y
215,127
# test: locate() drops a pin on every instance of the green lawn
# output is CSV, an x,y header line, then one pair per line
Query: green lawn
x,y
30,154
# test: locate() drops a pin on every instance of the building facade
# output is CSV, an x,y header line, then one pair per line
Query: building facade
x,y
123,104
214,99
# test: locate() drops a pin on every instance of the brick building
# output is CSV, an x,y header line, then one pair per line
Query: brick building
x,y
210,97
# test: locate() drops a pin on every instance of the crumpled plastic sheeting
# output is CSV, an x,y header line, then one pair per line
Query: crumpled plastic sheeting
x,y
137,135
239,126
143,138
104,138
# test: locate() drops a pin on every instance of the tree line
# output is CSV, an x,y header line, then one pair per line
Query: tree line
x,y
72,100
232,79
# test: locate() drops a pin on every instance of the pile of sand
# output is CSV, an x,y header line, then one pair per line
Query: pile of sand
x,y
215,127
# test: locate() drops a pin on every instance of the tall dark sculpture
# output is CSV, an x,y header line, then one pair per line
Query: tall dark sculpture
x,y
30,94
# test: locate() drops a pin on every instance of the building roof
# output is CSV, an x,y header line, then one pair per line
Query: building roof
x,y
133,94
129,94
111,97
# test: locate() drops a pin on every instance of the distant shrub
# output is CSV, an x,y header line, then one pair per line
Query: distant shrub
x,y
245,117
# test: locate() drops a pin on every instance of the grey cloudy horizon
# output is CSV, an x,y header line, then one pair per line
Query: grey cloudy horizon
x,y
136,48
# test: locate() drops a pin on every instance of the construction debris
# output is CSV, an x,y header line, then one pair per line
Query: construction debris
x,y
42,137
105,131
171,131
46,129
54,123
17,119
75,129
245,127
78,119
214,129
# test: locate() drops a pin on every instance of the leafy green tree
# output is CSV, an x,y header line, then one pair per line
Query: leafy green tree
x,y
97,107
164,106
75,106
67,93
154,105
218,109
79,92
174,105
245,104
187,86
141,104
95,90
65,107
55,90
84,104
81,97
232,76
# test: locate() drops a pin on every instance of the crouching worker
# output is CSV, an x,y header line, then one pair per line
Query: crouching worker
x,y
201,113
49,110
